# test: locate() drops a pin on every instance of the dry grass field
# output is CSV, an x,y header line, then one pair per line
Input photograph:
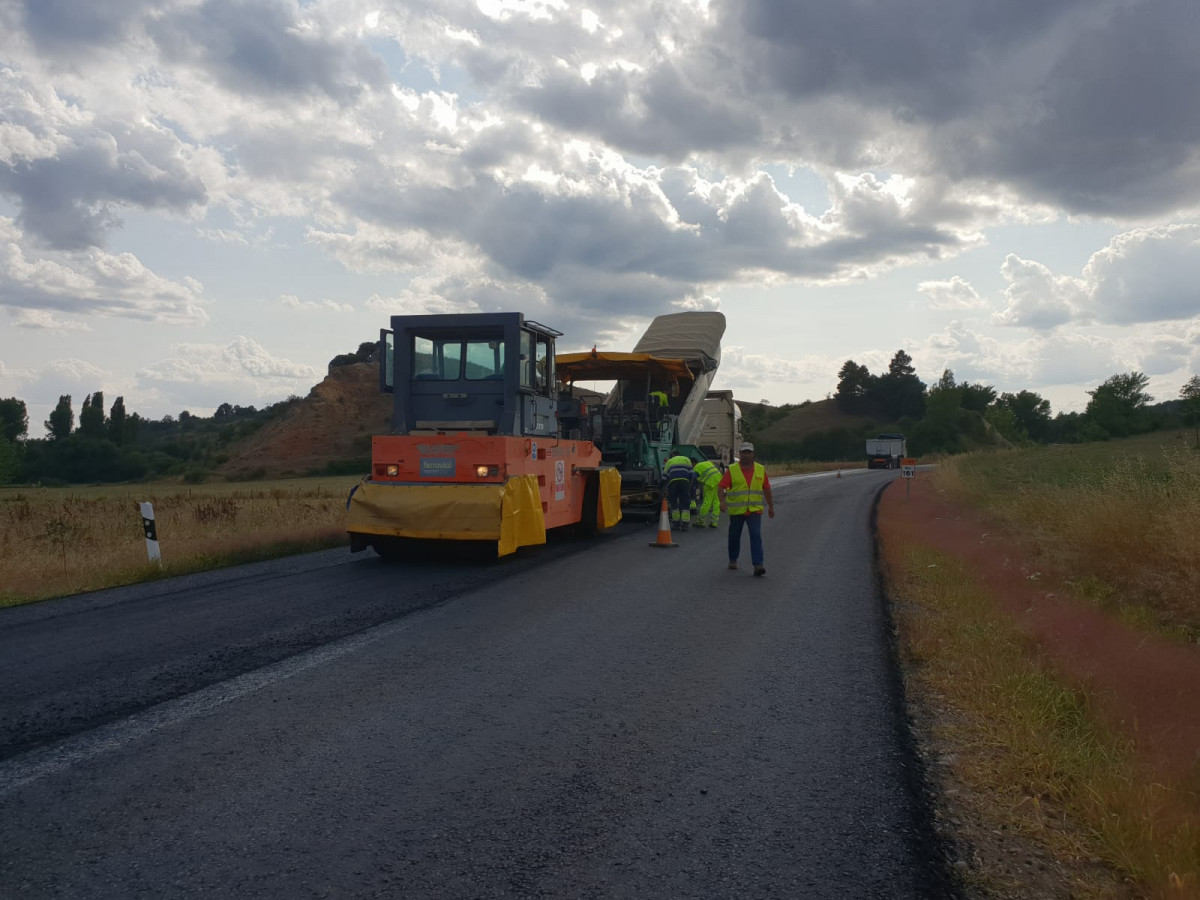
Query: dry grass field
x,y
58,541
1119,517
1044,795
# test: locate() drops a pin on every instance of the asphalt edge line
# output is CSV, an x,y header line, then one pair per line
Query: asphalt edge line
x,y
937,876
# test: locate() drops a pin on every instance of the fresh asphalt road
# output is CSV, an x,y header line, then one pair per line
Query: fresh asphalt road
x,y
589,719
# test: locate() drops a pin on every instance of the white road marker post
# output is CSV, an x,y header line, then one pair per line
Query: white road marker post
x,y
151,534
908,471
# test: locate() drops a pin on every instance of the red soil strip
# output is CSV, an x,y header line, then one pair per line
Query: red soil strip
x,y
1145,687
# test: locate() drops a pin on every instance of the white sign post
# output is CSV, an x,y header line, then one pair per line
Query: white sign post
x,y
151,533
908,471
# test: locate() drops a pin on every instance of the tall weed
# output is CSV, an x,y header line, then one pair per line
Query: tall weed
x,y
1029,751
1121,525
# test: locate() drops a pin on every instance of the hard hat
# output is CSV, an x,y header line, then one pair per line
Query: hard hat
x,y
746,446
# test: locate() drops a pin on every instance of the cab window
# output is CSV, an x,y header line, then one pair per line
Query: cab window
x,y
485,360
543,369
389,358
437,359
526,359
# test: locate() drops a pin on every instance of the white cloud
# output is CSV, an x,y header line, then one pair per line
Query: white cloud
x,y
739,367
1143,275
1037,298
223,236
94,283
43,319
955,294
292,302
1146,275
243,358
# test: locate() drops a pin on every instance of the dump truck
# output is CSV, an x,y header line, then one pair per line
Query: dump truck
x,y
656,406
483,446
721,434
886,451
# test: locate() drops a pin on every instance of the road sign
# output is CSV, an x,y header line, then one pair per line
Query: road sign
x,y
908,461
908,471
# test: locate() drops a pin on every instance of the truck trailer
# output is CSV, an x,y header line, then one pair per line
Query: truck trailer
x,y
886,451
721,434
484,446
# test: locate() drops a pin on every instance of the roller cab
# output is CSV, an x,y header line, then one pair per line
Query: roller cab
x,y
483,447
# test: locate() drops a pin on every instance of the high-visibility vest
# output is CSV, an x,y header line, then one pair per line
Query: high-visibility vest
x,y
707,472
679,468
742,498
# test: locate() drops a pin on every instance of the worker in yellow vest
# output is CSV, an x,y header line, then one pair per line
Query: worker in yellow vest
x,y
708,475
680,483
743,490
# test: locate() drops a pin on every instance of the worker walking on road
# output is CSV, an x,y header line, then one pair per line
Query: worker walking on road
x,y
742,492
680,481
708,475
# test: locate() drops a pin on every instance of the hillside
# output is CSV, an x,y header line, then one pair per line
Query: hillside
x,y
333,424
797,422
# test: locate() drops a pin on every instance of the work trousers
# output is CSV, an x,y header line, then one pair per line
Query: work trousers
x,y
710,506
753,523
679,499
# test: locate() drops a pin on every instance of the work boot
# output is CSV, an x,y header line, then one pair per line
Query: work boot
x,y
760,570
733,564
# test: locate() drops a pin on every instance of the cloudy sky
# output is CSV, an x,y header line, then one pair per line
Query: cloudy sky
x,y
204,201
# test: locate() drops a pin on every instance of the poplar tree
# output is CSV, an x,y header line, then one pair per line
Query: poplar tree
x,y
116,422
62,419
91,417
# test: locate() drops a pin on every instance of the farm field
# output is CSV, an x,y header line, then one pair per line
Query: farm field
x,y
59,541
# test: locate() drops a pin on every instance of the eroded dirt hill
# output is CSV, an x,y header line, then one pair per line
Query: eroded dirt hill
x,y
333,423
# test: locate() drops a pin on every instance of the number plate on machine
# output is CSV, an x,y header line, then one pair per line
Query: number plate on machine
x,y
438,467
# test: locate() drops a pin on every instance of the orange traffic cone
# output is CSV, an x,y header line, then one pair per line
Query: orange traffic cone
x,y
664,528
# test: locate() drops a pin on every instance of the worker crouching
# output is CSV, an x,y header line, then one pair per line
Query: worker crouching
x,y
680,484
708,476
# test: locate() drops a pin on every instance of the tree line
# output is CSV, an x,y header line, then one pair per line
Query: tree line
x,y
947,417
117,445
950,416
122,446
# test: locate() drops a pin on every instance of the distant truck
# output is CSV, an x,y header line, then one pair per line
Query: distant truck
x,y
721,433
886,451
